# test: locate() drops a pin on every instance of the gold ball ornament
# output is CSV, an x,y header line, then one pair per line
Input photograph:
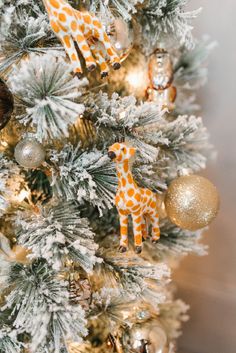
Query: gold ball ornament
x,y
191,202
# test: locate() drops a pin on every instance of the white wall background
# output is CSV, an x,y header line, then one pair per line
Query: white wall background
x,y
209,283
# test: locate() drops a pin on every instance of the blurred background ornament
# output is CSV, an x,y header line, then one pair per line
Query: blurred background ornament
x,y
149,337
80,291
84,131
16,253
29,153
161,75
114,343
121,36
164,98
192,202
6,104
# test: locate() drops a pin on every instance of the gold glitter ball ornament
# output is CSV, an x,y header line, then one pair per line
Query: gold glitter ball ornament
x,y
191,202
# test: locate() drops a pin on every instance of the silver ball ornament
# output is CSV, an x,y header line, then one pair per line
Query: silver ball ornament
x,y
29,153
149,338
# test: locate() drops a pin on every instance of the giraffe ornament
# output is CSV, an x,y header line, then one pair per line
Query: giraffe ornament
x,y
132,200
85,29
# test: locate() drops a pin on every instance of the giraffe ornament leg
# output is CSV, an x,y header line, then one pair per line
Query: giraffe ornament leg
x,y
71,26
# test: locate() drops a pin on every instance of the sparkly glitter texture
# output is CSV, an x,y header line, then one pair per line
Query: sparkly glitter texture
x,y
192,202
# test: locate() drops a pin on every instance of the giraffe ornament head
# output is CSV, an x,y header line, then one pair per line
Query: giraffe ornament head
x,y
119,152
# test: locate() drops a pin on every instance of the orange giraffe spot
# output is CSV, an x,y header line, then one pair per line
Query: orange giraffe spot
x,y
68,11
125,221
117,198
106,38
126,166
73,26
85,47
96,33
90,59
110,52
138,220
55,4
129,203
82,28
148,192
122,194
139,228
62,17
123,212
73,57
67,41
130,179
103,66
87,19
137,197
123,230
64,29
97,24
153,204
131,192
145,199
80,38
156,230
137,213
78,70
55,27
135,208
123,182
138,239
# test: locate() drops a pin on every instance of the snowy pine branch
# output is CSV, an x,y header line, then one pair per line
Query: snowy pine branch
x,y
172,314
24,29
124,8
136,277
40,307
83,176
56,233
190,70
175,242
166,20
8,340
46,93
180,143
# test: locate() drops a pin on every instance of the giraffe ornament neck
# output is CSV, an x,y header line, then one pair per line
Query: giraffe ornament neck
x,y
124,173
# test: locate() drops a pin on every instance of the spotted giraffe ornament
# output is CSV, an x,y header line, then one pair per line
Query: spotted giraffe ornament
x,y
140,203
85,29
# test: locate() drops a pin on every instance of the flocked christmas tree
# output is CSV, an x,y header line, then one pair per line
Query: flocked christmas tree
x,y
99,126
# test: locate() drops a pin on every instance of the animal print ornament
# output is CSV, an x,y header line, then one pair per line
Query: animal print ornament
x,y
84,28
140,203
